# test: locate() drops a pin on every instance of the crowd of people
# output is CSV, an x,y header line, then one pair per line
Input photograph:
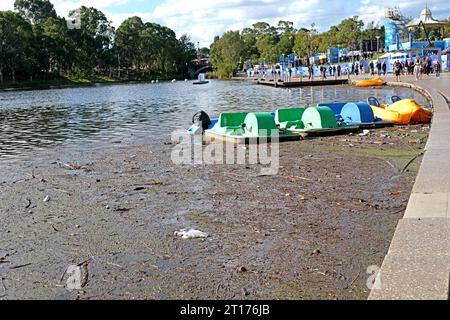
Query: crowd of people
x,y
419,67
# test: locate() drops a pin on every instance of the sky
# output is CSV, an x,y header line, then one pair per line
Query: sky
x,y
204,19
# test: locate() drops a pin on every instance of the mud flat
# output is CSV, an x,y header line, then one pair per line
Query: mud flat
x,y
309,232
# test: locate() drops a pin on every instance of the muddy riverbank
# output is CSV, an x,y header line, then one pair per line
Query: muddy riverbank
x,y
309,232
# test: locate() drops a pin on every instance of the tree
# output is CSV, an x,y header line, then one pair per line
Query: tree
x,y
447,30
262,29
285,27
94,39
129,43
308,42
187,53
267,48
56,44
226,53
286,40
349,32
36,11
16,43
250,50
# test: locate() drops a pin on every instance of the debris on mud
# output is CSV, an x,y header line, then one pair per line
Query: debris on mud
x,y
191,234
78,276
338,202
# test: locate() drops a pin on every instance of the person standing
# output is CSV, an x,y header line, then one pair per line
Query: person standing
x,y
323,70
437,69
384,68
339,70
372,68
417,70
428,67
397,70
379,67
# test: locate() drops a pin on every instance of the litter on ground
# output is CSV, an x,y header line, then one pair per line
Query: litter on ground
x,y
191,234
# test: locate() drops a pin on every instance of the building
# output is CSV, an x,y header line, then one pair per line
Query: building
x,y
427,22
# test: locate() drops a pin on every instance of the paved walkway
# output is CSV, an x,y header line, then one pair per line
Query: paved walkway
x,y
418,262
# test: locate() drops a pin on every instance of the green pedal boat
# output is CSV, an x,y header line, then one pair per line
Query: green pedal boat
x,y
248,127
312,121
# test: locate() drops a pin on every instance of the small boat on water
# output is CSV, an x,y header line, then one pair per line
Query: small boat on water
x,y
201,79
375,82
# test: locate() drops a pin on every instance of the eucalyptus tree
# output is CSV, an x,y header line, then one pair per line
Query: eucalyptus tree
x,y
36,11
94,39
226,54
16,45
131,43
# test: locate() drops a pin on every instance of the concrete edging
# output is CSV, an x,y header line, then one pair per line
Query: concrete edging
x,y
417,266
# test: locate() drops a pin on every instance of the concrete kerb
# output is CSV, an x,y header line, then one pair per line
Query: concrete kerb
x,y
417,265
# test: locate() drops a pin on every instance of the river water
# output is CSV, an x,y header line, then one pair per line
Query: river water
x,y
35,121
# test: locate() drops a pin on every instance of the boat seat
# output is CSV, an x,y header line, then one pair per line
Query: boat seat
x,y
395,99
232,122
289,118
232,119
373,102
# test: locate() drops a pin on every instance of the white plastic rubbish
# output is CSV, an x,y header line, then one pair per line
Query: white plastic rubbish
x,y
191,234
365,133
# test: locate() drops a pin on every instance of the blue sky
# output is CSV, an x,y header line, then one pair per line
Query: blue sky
x,y
203,19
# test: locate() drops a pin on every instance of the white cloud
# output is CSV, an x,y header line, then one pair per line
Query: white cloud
x,y
63,7
6,5
205,19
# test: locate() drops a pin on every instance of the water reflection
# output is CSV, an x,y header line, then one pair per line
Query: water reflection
x,y
34,120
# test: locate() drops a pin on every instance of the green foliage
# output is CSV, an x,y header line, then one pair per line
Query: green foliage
x,y
16,53
447,30
348,32
265,42
36,11
226,53
36,43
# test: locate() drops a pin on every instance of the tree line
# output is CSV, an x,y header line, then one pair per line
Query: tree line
x,y
265,42
35,43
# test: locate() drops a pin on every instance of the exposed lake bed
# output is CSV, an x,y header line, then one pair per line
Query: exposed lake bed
x,y
309,232
114,199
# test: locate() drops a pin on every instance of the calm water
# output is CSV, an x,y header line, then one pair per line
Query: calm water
x,y
83,117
